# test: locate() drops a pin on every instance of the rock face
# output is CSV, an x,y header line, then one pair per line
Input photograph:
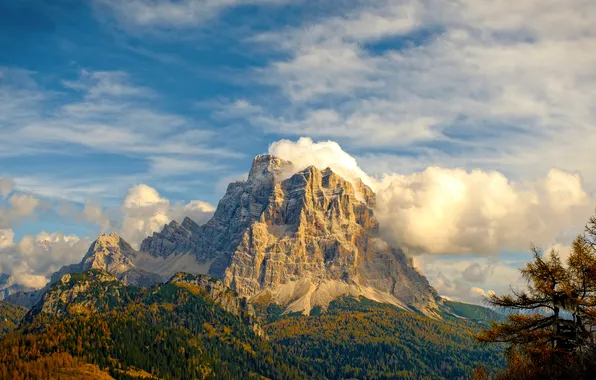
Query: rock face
x,y
92,291
213,243
97,291
114,255
298,240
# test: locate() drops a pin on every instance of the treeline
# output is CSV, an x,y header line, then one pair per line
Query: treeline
x,y
363,339
170,334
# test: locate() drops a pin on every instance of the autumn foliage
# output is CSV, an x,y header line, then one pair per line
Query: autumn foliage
x,y
551,331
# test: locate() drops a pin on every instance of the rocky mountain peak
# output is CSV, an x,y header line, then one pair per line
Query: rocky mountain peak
x,y
78,293
266,167
299,240
110,253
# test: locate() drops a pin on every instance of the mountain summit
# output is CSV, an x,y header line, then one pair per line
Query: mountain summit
x,y
296,239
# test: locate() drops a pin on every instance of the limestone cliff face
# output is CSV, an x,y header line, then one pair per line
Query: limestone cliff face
x,y
317,239
112,254
213,243
299,240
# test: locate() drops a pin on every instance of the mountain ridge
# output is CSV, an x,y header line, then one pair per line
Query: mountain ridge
x,y
297,238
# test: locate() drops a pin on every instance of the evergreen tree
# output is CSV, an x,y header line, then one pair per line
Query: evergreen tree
x,y
552,330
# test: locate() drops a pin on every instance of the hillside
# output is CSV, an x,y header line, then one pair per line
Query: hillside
x,y
10,316
172,331
365,339
473,312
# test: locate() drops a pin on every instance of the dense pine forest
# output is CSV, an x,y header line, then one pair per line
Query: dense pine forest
x,y
175,331
168,332
364,339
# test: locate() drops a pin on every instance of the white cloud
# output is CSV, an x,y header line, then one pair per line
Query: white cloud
x,y
145,211
487,74
456,211
34,258
93,213
441,211
20,207
6,186
6,238
305,152
168,14
23,204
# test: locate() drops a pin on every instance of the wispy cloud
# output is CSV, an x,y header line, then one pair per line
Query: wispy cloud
x,y
107,113
491,74
166,14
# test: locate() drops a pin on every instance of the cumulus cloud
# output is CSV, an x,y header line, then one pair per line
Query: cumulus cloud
x,y
304,153
456,211
94,213
20,207
34,258
145,211
6,238
441,211
6,186
23,204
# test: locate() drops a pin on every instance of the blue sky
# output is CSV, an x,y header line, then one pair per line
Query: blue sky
x,y
101,95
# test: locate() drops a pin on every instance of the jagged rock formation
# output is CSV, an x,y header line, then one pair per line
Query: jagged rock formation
x,y
295,239
212,244
92,291
114,255
109,253
299,240
97,290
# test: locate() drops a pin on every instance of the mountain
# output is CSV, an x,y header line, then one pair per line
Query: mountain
x,y
114,255
298,240
193,326
110,253
8,286
360,339
189,327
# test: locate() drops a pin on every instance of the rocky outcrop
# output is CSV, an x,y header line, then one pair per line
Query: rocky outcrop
x,y
212,244
112,254
76,293
299,240
222,295
295,239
